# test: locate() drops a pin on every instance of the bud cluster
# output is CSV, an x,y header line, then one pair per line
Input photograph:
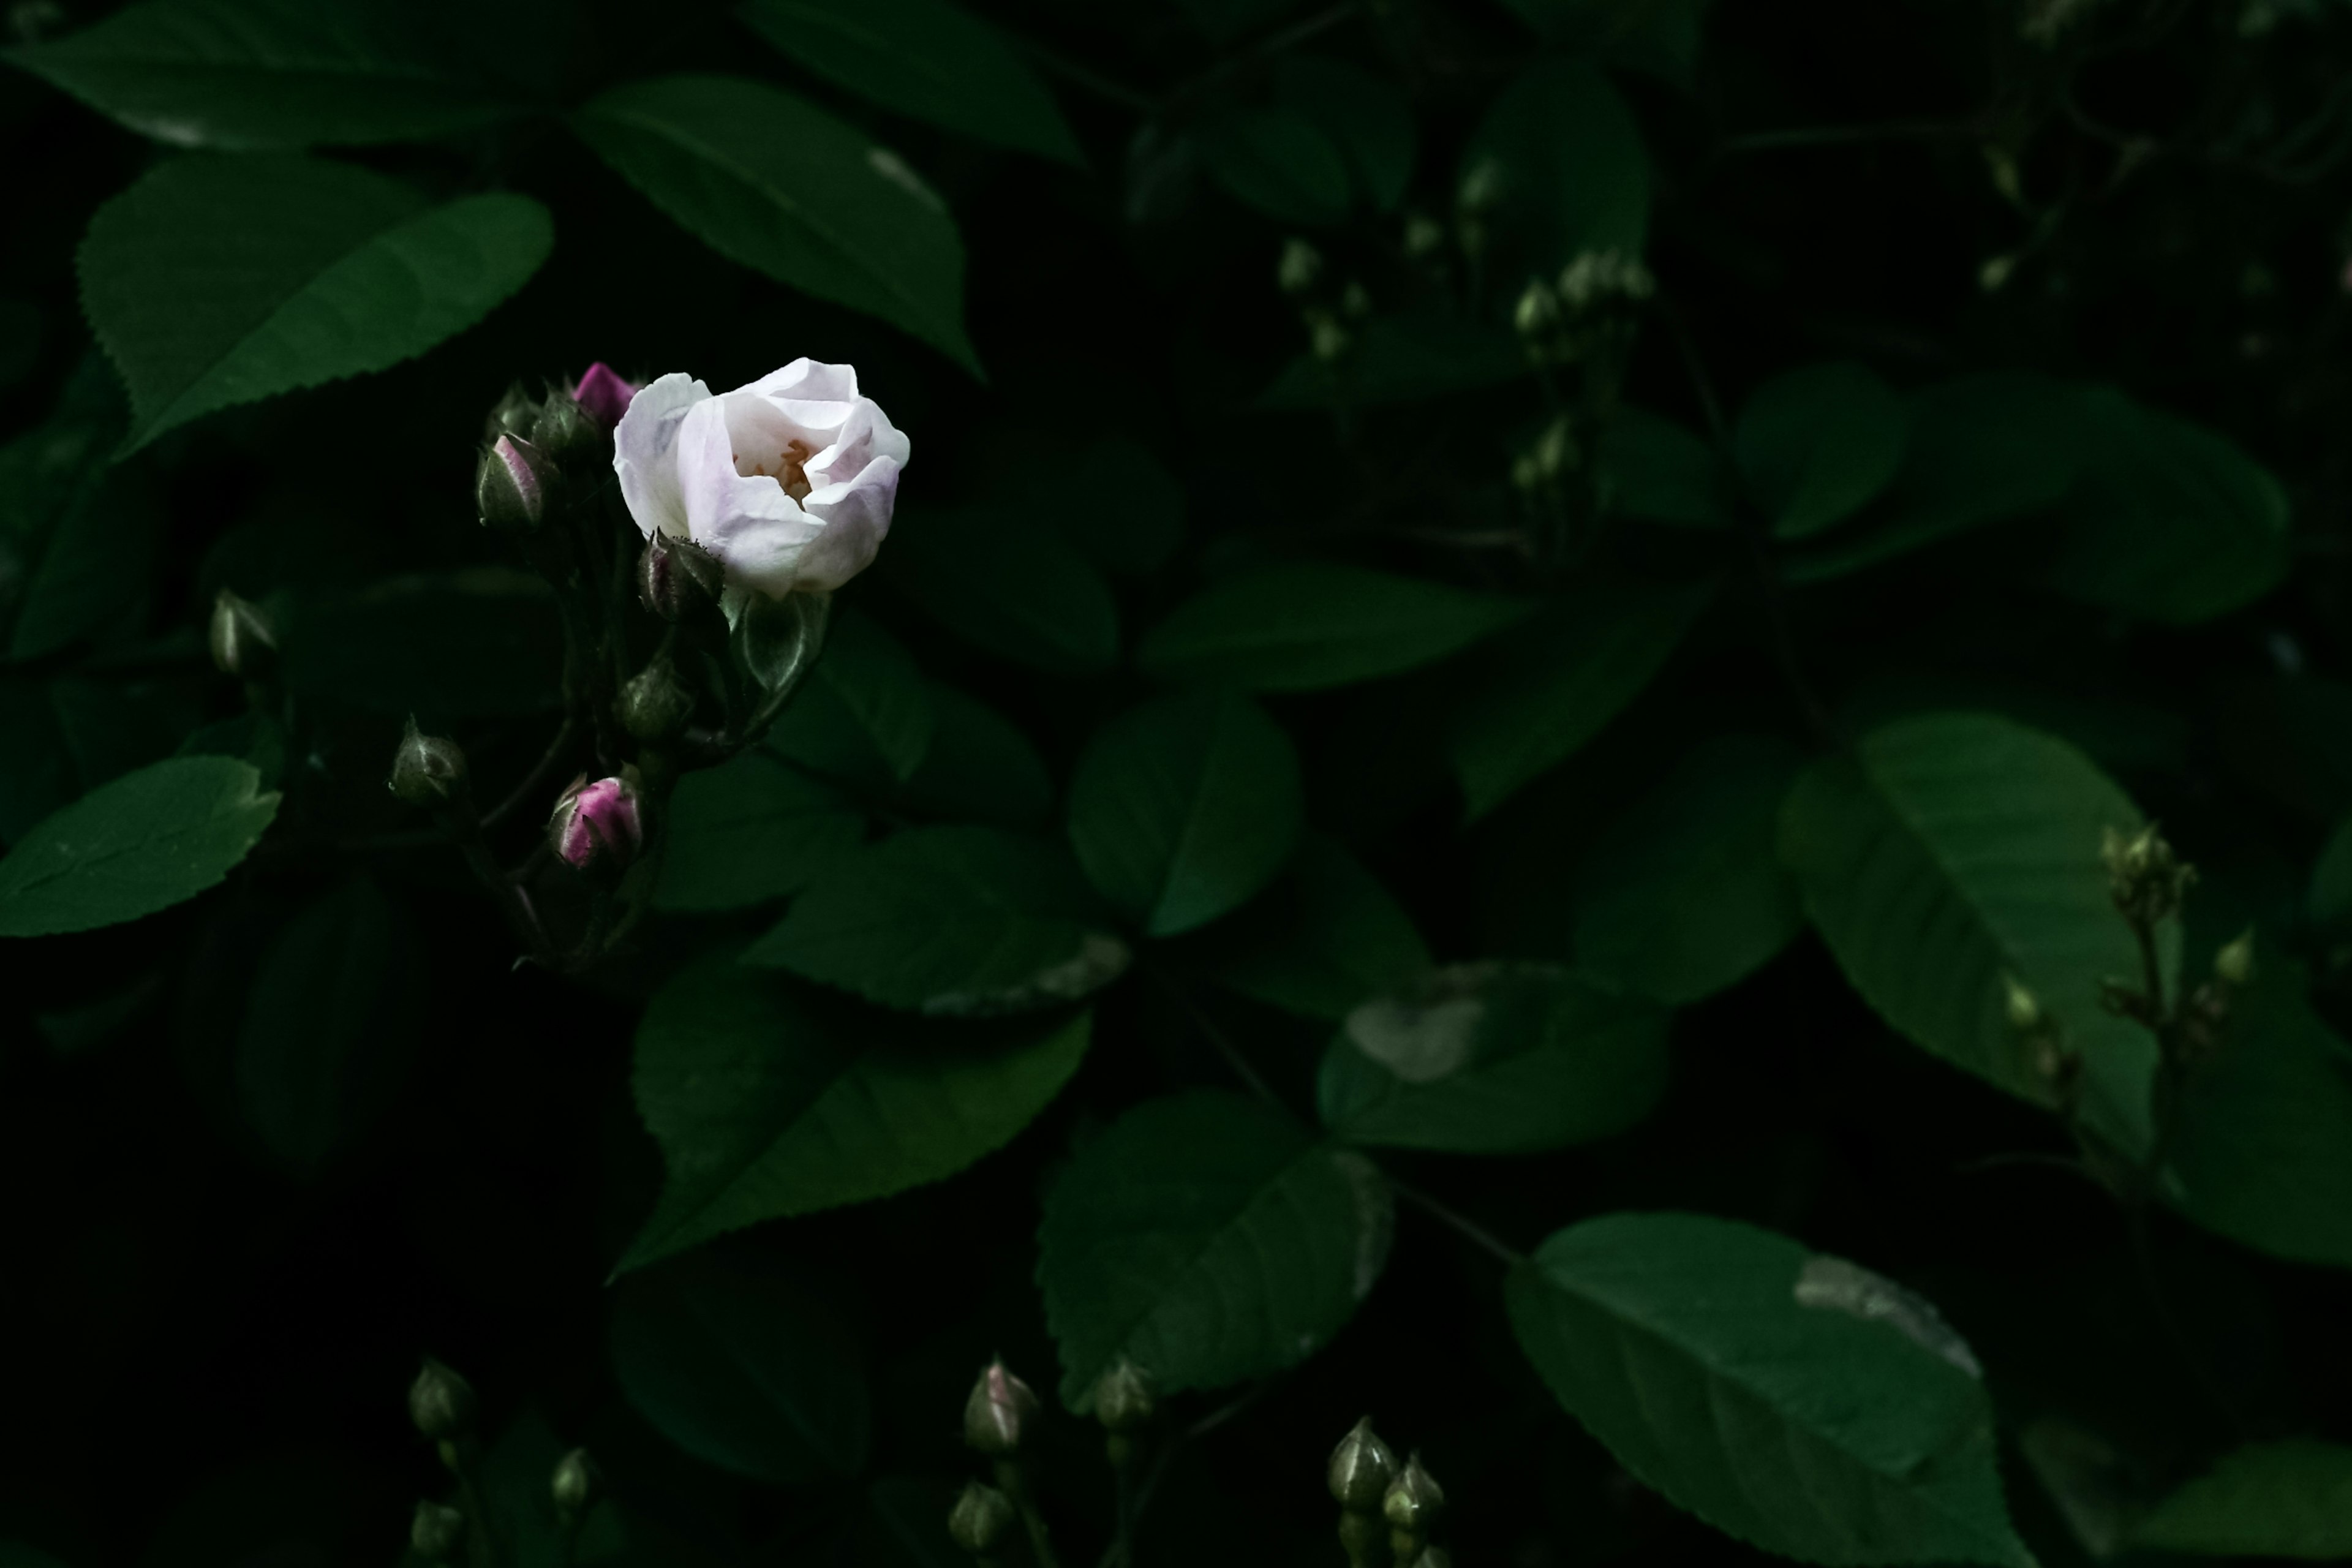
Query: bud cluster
x,y
2145,879
1387,1512
1588,313
2049,1060
1302,277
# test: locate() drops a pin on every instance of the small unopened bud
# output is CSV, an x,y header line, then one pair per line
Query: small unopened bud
x,y
598,829
438,1532
511,487
512,415
573,1485
441,1402
1355,302
1326,337
428,771
1481,187
2023,1008
677,577
1301,266
1424,236
982,1517
654,704
240,638
2233,966
567,434
1000,1409
1414,1501
1123,1400
1361,1467
2147,879
604,395
1537,311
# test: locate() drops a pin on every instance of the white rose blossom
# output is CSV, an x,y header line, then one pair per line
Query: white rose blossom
x,y
788,481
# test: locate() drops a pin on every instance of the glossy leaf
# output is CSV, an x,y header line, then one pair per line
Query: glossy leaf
x,y
923,58
767,1102
215,281
1559,167
772,182
1795,1401
750,831
2290,1499
956,920
979,768
146,841
1309,625
1950,851
865,716
1009,584
1323,938
1491,1058
1279,161
1817,442
1209,1238
1183,809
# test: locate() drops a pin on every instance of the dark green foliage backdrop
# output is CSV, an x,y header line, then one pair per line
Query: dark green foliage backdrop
x,y
1472,786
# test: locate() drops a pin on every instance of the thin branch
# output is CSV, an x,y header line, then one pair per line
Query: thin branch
x,y
536,780
1215,1035
1469,1230
1845,135
1167,1456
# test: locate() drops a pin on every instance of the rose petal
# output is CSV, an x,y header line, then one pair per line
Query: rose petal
x,y
857,519
642,455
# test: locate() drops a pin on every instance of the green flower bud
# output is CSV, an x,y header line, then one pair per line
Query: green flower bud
x,y
2146,879
1301,266
654,704
514,487
240,638
512,415
428,771
438,1532
2235,965
570,436
1424,236
1123,1400
1361,1467
572,1484
1413,1500
1000,1409
677,577
1537,311
982,1517
2023,1008
441,1402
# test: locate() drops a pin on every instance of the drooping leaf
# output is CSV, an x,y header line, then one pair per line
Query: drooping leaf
x,y
1652,468
1363,116
923,58
488,642
768,1102
146,841
1951,851
1323,938
2290,1499
1278,160
1183,809
865,716
1817,442
1394,360
1793,1400
955,920
771,180
1684,894
745,1367
1307,624
1008,583
1558,169
1494,1058
750,831
1545,689
240,75
215,281
1209,1238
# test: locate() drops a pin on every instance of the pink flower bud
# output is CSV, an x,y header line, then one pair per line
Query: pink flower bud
x,y
604,395
510,487
999,1407
598,827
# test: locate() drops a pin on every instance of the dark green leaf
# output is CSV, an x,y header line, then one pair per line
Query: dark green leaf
x,y
245,74
1363,116
1683,894
2328,904
1661,37
145,842
484,643
1323,938
768,1103
1121,509
776,184
1007,583
1652,468
1492,1058
745,1368
958,921
1224,20
1817,442
979,768
1278,160
1309,625
1401,359
1184,808
1795,1401
214,281
2292,1498
1209,1238
1951,851
1558,169
750,831
867,716
78,535
70,733
924,58
1544,691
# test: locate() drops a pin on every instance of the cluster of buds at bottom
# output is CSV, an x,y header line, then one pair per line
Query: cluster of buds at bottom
x,y
1387,1512
599,827
1588,310
438,1533
999,1416
1124,1404
569,429
2145,879
981,1520
2049,1061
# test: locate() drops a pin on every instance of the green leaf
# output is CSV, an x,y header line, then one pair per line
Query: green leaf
x,y
1183,809
1323,938
1652,468
1683,894
1950,851
1494,1058
1394,360
750,831
923,58
1550,687
867,716
1363,116
1558,168
246,74
2290,1499
1309,625
1209,1238
1121,509
744,1367
768,1102
771,180
1007,583
1661,37
960,922
325,1036
78,535
2166,519
979,768
1795,1401
215,281
480,644
1817,442
2262,1150
65,735
1278,160
146,841
2328,902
